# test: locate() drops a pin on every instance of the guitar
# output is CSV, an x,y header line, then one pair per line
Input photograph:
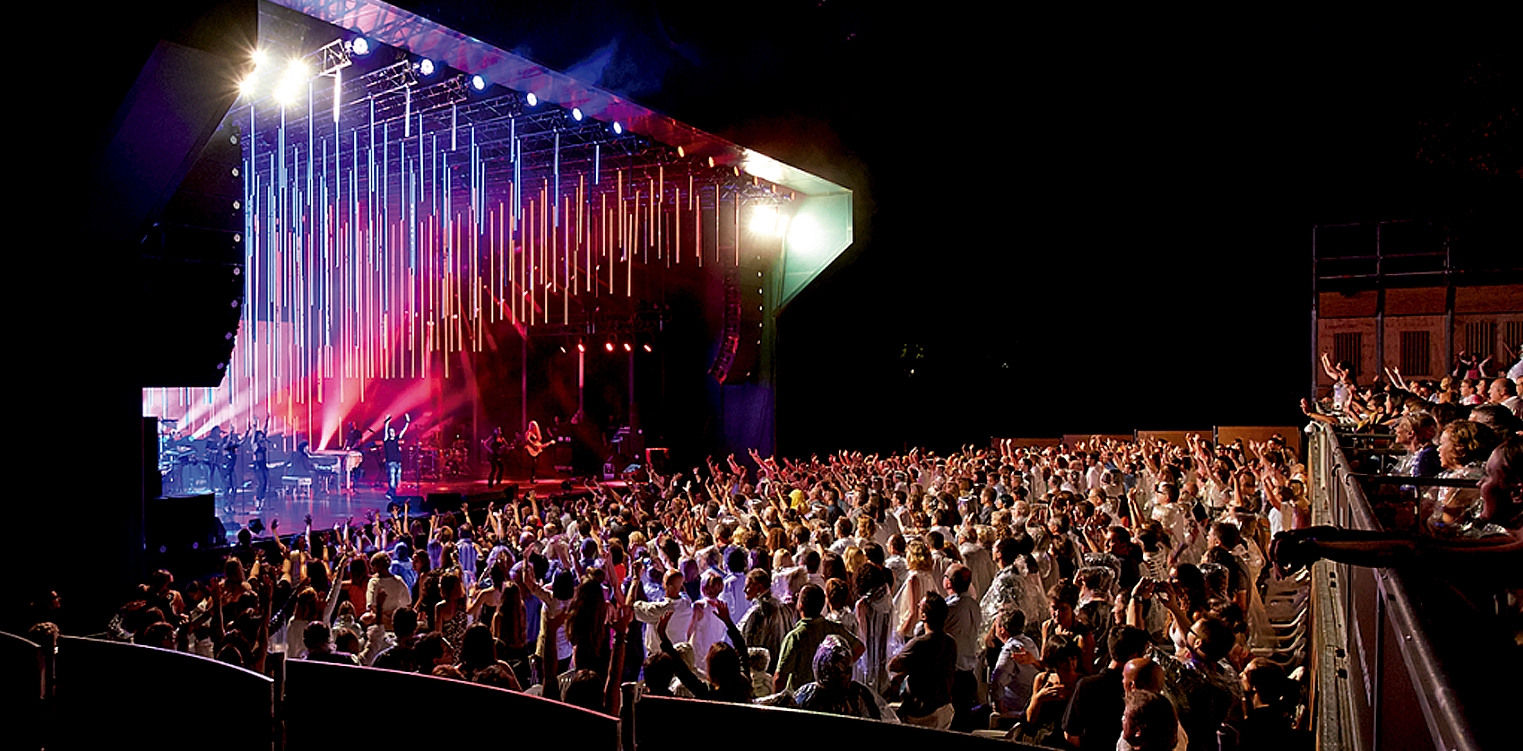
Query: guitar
x,y
534,447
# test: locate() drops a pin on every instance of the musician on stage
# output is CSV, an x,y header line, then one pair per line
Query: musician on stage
x,y
261,464
355,437
393,454
496,446
534,443
230,473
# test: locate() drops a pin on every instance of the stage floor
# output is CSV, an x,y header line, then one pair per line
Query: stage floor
x,y
330,506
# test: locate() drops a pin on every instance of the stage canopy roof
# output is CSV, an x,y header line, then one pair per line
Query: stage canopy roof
x,y
534,134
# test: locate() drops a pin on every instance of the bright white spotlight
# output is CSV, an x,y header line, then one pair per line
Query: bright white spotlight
x,y
576,114
426,67
532,100
260,58
286,92
618,129
763,220
360,46
247,86
297,69
478,83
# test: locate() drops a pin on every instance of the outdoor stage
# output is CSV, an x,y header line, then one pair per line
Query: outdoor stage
x,y
332,507
328,502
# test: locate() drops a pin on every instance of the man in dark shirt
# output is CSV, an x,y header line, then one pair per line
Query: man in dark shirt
x,y
402,655
1093,720
928,661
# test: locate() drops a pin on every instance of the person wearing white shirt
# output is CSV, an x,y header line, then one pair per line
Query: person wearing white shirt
x,y
674,602
385,592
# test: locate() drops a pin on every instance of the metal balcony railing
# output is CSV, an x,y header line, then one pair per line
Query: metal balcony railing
x,y
1379,681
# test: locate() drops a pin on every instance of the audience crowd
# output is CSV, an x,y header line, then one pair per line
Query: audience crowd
x,y
1103,595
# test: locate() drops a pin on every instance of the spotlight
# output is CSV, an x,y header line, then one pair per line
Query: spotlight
x,y
478,83
426,67
285,93
360,46
681,152
260,58
581,346
576,114
608,346
618,129
647,348
247,86
563,349
627,348
763,220
531,99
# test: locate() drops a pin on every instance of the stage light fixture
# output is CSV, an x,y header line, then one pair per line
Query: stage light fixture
x,y
681,152
260,58
426,66
532,100
360,46
581,346
563,349
478,83
618,129
627,348
576,114
608,346
647,348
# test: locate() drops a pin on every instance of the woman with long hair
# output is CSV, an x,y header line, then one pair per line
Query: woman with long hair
x,y
587,623
510,627
920,581
451,616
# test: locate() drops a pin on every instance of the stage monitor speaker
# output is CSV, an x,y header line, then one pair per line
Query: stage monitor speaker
x,y
178,523
443,501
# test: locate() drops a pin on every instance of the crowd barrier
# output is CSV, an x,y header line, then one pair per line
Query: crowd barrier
x,y
1378,681
670,723
112,694
330,707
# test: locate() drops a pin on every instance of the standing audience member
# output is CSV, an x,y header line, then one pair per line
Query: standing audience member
x,y
928,662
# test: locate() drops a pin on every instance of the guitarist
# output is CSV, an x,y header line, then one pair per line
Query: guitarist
x,y
534,444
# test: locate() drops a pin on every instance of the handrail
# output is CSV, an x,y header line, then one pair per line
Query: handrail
x,y
1357,703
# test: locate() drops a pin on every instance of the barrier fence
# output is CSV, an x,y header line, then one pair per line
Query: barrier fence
x,y
110,693
1378,681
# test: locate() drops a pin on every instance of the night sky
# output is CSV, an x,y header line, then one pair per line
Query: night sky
x,y
1065,224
